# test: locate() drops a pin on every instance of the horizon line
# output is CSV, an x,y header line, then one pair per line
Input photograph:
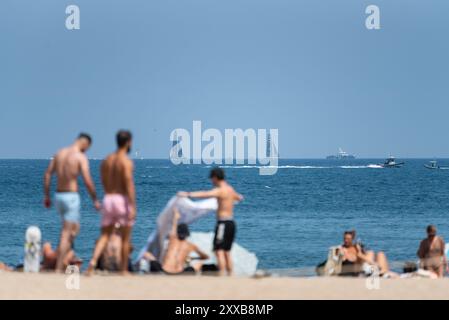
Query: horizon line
x,y
245,159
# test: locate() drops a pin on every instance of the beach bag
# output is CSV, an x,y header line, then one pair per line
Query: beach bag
x,y
333,265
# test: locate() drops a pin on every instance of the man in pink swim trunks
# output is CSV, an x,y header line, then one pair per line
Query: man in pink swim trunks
x,y
119,203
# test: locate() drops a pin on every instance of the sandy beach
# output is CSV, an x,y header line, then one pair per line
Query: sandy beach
x,y
52,286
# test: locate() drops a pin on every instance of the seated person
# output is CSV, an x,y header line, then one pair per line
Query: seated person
x,y
4,267
354,257
179,249
50,256
431,253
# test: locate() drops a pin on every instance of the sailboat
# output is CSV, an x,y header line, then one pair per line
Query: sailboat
x,y
176,150
272,149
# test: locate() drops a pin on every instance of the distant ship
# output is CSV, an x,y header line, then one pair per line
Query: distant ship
x,y
434,165
390,162
342,155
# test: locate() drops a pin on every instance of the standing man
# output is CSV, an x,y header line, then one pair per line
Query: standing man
x,y
431,253
119,203
68,164
225,229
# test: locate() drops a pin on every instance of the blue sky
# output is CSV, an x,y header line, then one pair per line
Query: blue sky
x,y
309,68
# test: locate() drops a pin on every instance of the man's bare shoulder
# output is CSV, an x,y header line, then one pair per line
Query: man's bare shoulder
x,y
230,190
61,153
109,158
128,162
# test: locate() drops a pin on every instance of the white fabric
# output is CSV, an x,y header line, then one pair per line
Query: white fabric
x,y
189,210
32,249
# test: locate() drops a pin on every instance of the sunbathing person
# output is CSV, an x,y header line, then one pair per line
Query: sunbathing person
x,y
431,253
50,257
179,250
356,259
4,267
111,257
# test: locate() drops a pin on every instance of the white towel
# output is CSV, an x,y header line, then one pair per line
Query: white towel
x,y
189,210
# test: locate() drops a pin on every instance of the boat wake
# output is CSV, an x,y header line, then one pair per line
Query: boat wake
x,y
369,166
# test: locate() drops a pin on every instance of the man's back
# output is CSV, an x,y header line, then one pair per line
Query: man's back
x,y
113,173
67,167
177,254
431,249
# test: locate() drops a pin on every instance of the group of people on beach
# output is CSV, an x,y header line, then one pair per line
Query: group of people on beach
x,y
118,215
118,212
356,260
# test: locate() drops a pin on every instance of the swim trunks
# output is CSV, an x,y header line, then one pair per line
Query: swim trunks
x,y
116,210
68,206
224,235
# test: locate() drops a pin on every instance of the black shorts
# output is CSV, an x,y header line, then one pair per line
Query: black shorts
x,y
224,235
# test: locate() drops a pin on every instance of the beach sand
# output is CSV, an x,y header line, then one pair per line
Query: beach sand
x,y
52,286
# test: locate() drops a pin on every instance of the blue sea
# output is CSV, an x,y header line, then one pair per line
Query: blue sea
x,y
288,219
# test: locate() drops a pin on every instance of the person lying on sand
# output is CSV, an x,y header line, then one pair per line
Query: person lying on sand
x,y
355,257
431,253
50,257
179,250
111,258
4,267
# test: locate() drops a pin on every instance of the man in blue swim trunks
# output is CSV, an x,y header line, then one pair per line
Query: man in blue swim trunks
x,y
68,164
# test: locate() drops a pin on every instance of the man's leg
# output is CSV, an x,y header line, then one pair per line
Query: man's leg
x,y
68,233
126,244
99,248
229,264
221,261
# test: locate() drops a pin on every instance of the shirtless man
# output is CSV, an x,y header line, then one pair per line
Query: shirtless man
x,y
431,253
179,249
119,203
225,229
68,164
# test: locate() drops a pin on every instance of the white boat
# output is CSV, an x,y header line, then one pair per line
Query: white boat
x,y
390,162
342,155
434,166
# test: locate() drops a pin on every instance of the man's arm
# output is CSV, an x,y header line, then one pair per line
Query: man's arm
x,y
85,173
201,254
103,173
443,246
174,225
238,197
214,193
130,189
47,180
420,252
